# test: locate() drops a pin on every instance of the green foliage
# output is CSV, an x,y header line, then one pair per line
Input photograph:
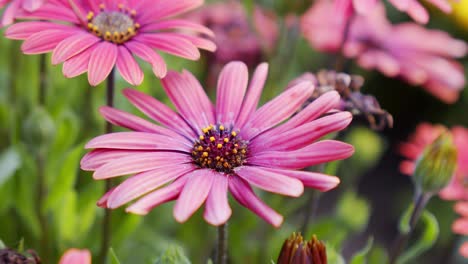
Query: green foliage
x,y
113,259
361,257
333,256
173,255
10,161
353,211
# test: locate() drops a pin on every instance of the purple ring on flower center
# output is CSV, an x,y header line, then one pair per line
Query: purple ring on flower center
x,y
220,149
113,26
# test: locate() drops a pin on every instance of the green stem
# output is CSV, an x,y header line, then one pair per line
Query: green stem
x,y
403,237
106,223
310,209
42,79
41,194
221,253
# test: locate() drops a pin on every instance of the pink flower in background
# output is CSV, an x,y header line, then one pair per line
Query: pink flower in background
x,y
94,36
460,226
15,7
76,256
204,151
424,135
394,50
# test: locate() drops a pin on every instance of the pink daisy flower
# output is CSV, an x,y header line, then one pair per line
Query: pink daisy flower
x,y
76,256
95,35
460,226
204,151
424,135
15,7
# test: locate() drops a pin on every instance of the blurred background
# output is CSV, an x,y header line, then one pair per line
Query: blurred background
x,y
368,203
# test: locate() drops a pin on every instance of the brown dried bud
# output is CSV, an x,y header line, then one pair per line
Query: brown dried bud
x,y
10,256
297,251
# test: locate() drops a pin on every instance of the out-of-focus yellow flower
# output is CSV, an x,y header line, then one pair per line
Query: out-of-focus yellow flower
x,y
460,12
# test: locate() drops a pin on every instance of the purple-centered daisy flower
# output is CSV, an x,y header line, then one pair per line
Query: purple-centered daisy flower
x,y
95,35
204,151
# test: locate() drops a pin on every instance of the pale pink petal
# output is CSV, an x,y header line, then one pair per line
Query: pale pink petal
x,y
9,15
460,226
270,181
206,105
319,152
149,55
165,8
102,202
302,135
170,44
363,7
101,62
443,5
249,105
314,180
244,194
417,11
128,67
195,192
401,5
277,110
232,84
464,250
98,157
45,41
139,162
178,24
217,209
462,208
144,182
76,256
136,141
32,5
144,205
158,111
72,46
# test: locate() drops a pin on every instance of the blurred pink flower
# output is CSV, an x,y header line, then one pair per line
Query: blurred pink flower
x,y
460,226
76,256
14,7
430,64
424,135
236,39
204,151
94,36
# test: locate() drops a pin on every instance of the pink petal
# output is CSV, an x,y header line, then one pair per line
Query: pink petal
x,y
101,62
178,24
10,13
45,41
128,67
319,152
460,226
244,194
144,205
98,157
78,64
217,209
140,162
72,46
443,5
195,192
174,45
24,30
303,135
76,256
249,105
149,55
464,250
165,8
102,202
314,180
232,84
158,111
277,110
137,141
363,7
144,182
271,181
418,12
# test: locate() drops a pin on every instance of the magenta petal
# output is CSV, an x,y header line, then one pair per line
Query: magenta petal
x,y
101,62
45,41
136,141
217,209
149,55
195,192
144,182
128,67
277,110
98,157
249,105
271,181
24,30
78,64
314,180
319,152
139,162
178,24
73,45
232,84
174,45
144,205
244,194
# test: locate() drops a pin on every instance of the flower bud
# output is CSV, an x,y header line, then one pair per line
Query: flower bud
x,y
436,165
39,130
297,251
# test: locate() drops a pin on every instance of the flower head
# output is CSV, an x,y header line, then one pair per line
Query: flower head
x,y
16,7
204,151
426,134
76,256
297,251
94,36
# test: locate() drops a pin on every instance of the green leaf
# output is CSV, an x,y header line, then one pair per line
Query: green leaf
x,y
21,245
428,237
173,255
333,256
113,257
353,211
361,256
249,6
2,245
67,217
10,161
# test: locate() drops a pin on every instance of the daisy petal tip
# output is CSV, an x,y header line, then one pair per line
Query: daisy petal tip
x,y
277,222
136,210
332,184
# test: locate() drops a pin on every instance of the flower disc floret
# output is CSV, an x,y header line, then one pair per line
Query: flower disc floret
x,y
220,149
